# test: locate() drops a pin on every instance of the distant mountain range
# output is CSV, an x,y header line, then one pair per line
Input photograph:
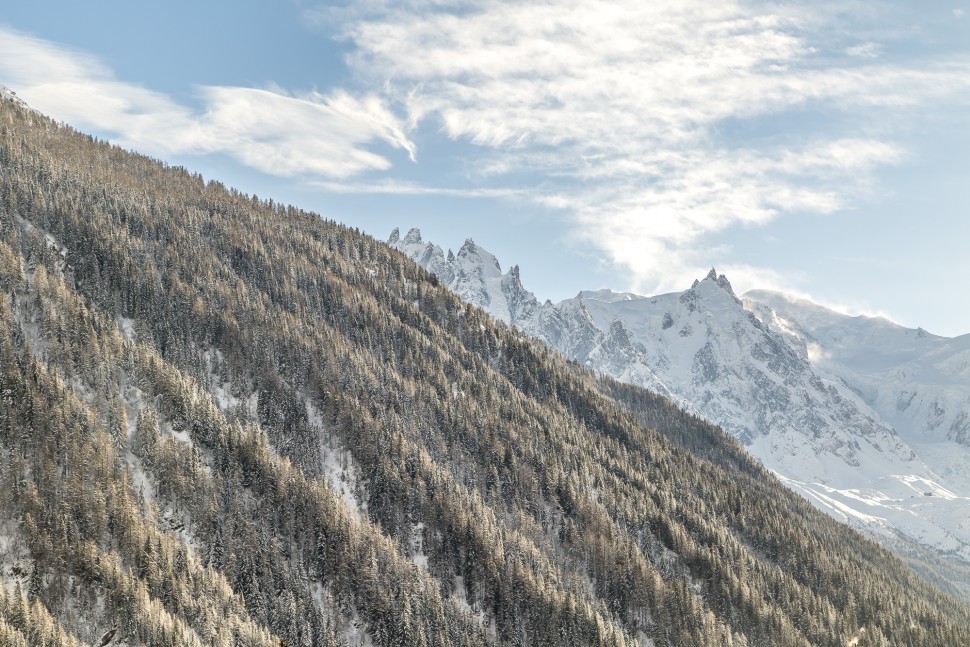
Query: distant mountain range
x,y
867,419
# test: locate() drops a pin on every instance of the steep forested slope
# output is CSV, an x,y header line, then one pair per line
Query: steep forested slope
x,y
228,422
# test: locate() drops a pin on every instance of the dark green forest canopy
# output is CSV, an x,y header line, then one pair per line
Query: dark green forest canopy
x,y
225,421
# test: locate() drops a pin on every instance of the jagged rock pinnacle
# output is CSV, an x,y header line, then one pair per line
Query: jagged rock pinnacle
x,y
722,282
413,237
394,237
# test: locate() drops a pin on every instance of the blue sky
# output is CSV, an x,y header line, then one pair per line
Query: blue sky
x,y
822,148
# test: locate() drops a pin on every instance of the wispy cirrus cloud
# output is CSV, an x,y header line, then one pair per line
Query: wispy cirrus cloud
x,y
313,134
270,130
405,188
622,112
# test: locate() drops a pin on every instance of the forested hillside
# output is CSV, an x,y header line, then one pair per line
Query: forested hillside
x,y
228,422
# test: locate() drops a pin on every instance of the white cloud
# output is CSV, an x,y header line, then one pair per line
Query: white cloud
x,y
865,50
313,134
603,70
75,87
271,131
394,187
618,110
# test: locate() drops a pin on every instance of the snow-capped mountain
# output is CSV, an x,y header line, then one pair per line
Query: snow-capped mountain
x,y
475,275
918,382
868,420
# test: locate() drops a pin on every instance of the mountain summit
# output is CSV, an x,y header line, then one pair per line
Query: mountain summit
x,y
862,417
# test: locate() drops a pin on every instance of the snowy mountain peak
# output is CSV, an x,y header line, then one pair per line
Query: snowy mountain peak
x,y
471,255
720,279
835,405
476,275
718,284
413,237
394,237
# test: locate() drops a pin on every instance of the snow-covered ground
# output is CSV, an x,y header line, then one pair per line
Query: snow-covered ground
x,y
15,563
